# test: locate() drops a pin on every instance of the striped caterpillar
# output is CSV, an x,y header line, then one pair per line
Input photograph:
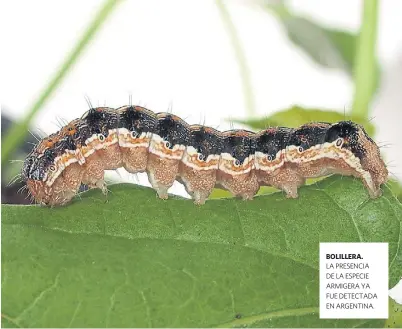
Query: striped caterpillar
x,y
169,149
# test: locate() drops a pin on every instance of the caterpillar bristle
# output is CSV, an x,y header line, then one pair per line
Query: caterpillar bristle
x,y
16,179
34,136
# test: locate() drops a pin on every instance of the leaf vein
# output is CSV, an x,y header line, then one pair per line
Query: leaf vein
x,y
74,314
300,261
10,319
147,308
39,298
248,320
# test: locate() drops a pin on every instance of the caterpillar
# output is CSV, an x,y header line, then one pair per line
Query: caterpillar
x,y
169,149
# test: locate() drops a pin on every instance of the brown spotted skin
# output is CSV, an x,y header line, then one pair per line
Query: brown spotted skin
x,y
134,159
198,183
72,177
60,193
111,157
94,172
200,157
286,179
162,174
244,186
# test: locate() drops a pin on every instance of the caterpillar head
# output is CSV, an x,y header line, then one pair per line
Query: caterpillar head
x,y
42,176
365,155
35,167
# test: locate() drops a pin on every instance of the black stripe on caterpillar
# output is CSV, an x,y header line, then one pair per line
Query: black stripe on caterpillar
x,y
169,149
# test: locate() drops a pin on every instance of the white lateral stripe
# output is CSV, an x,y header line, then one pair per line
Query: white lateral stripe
x,y
191,151
156,145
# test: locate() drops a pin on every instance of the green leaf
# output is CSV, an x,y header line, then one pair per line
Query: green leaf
x,y
396,188
137,261
295,116
395,315
329,48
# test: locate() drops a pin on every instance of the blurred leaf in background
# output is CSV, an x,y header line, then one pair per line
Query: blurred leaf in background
x,y
395,187
330,48
296,116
